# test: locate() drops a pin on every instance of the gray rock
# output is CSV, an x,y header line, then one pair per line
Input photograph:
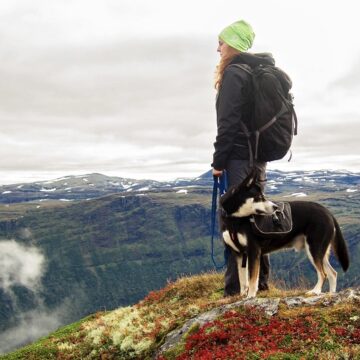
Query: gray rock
x,y
325,299
269,305
301,300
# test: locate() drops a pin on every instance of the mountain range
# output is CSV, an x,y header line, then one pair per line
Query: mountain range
x,y
82,187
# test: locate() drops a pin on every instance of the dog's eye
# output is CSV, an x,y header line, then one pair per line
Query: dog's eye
x,y
259,198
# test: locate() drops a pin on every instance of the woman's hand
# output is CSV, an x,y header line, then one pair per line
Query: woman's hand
x,y
217,173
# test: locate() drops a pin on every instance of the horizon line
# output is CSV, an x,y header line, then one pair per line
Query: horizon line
x,y
41,179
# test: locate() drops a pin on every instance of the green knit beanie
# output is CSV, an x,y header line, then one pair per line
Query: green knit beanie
x,y
238,35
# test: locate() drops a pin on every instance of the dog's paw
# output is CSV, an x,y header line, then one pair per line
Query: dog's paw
x,y
251,295
244,292
313,292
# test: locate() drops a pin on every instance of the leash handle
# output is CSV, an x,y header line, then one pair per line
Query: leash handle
x,y
220,183
223,183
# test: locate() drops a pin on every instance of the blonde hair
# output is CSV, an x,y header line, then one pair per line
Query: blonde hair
x,y
224,62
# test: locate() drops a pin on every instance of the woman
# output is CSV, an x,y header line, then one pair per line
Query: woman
x,y
234,105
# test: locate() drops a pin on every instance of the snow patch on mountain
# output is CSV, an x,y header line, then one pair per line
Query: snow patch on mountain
x,y
300,194
146,188
182,191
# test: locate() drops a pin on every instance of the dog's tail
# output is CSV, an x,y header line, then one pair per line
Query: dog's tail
x,y
340,248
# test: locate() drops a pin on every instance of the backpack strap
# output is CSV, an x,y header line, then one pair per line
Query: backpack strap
x,y
289,104
247,133
245,130
244,67
257,132
295,121
253,153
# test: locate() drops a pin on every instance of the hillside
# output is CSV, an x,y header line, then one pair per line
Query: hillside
x,y
189,319
104,252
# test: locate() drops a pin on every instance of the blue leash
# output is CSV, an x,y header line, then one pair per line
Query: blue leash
x,y
220,183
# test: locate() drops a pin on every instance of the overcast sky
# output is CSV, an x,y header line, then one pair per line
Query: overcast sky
x,y
125,87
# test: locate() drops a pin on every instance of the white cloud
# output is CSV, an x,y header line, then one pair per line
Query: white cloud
x,y
30,326
24,266
20,265
39,321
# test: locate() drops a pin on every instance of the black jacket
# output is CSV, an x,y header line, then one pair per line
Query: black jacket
x,y
234,104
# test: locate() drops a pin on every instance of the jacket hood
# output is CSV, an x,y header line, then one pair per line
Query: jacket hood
x,y
254,60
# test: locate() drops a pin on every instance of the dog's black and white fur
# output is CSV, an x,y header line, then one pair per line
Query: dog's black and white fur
x,y
314,228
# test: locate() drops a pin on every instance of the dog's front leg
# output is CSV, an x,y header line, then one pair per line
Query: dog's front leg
x,y
254,272
243,274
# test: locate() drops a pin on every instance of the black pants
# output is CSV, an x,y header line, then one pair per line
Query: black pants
x,y
237,170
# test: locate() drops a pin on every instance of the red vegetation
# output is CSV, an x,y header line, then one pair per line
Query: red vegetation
x,y
154,297
350,336
237,335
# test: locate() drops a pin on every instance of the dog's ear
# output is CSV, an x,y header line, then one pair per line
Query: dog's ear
x,y
228,200
234,189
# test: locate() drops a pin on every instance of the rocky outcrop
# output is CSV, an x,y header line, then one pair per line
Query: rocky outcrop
x,y
269,305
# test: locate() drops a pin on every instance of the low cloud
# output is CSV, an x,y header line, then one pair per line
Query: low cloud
x,y
31,326
24,266
20,265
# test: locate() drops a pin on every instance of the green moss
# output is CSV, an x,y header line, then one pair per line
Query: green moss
x,y
69,330
36,351
174,352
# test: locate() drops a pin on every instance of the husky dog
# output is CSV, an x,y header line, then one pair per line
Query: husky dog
x,y
313,228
